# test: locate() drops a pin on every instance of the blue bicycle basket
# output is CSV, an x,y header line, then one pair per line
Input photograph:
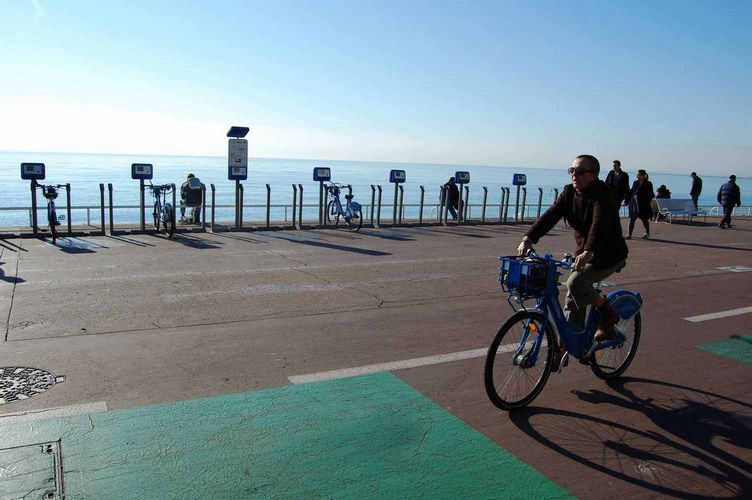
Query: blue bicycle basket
x,y
354,206
523,276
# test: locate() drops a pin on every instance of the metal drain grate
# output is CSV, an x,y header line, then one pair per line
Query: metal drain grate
x,y
32,471
19,383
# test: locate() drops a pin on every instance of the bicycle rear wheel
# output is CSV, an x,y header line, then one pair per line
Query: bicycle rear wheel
x,y
332,216
52,220
611,362
355,222
168,221
509,382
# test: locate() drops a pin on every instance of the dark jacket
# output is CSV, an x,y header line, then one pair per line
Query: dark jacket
x,y
640,197
663,193
454,194
594,219
191,196
730,194
619,184
696,186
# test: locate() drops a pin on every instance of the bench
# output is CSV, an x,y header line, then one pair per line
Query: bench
x,y
671,208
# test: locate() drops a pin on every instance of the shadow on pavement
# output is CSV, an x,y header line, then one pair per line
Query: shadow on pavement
x,y
130,240
332,246
9,279
237,237
703,245
692,456
193,242
12,246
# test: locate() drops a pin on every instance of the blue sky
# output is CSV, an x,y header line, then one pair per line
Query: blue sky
x,y
660,85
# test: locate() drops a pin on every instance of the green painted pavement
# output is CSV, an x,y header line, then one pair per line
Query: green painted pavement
x,y
737,347
370,436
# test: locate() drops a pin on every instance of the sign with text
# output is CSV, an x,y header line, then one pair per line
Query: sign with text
x,y
519,180
142,171
237,160
322,174
32,171
462,177
397,176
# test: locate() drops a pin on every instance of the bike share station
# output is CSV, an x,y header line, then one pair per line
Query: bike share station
x,y
519,180
142,172
237,168
320,175
36,172
398,177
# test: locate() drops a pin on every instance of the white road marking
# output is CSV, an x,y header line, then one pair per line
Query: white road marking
x,y
49,413
722,314
394,365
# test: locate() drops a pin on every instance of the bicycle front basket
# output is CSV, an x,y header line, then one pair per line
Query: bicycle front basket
x,y
524,276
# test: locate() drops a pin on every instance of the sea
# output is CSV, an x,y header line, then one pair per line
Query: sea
x,y
85,172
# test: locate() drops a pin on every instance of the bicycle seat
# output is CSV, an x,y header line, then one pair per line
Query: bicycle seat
x,y
349,197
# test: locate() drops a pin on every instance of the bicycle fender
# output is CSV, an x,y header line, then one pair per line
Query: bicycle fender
x,y
354,206
626,308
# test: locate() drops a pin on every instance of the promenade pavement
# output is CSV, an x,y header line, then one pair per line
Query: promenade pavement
x,y
210,366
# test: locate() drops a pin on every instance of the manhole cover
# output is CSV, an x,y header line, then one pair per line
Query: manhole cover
x,y
18,383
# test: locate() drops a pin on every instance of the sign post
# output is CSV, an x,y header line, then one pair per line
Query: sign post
x,y
460,178
518,180
396,177
237,165
33,172
322,174
142,171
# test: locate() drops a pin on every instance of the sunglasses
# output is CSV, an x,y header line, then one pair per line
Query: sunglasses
x,y
578,171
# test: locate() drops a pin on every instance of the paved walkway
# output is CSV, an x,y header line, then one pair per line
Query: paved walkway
x,y
211,366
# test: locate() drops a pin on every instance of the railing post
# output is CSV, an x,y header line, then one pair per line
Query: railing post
x,y
174,207
294,205
68,207
378,209
540,201
445,207
34,227
467,204
460,206
524,202
203,206
501,206
109,192
213,199
485,200
240,207
422,196
373,201
101,204
394,211
142,204
401,202
268,204
322,208
506,206
300,211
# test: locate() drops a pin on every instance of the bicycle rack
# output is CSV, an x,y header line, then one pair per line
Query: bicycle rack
x,y
241,195
268,203
524,201
68,207
422,196
300,211
467,204
540,201
101,204
295,205
485,200
203,206
506,207
34,227
174,219
378,210
212,211
142,207
445,207
401,204
109,192
373,201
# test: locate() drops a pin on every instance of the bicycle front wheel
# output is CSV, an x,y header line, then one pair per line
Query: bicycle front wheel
x,y
52,220
156,216
519,360
168,221
611,362
355,222
332,216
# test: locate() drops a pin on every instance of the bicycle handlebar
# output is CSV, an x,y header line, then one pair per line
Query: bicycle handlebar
x,y
567,263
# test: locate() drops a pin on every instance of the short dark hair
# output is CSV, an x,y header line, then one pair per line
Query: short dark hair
x,y
617,162
693,174
733,177
593,162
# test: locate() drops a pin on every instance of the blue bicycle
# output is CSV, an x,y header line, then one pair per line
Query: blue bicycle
x,y
352,212
521,355
50,192
164,213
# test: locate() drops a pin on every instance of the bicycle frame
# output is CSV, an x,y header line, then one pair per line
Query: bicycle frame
x,y
579,344
346,212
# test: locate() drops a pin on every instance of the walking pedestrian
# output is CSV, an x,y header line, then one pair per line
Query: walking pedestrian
x,y
696,188
729,196
618,181
640,197
451,197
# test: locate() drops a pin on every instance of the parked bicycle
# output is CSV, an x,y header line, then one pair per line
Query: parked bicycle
x,y
164,213
352,212
520,358
50,192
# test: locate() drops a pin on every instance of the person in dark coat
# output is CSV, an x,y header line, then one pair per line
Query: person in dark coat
x,y
454,196
618,181
696,188
729,196
640,197
663,192
587,206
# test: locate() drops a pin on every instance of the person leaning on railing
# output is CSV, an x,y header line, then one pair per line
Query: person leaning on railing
x,y
587,206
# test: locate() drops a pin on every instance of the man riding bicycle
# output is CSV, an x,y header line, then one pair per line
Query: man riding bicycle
x,y
587,206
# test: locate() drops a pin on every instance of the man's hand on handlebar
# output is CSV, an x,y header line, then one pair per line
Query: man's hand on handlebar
x,y
525,246
581,260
